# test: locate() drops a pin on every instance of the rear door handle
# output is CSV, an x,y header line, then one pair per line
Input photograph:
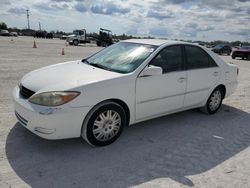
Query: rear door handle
x,y
181,79
215,73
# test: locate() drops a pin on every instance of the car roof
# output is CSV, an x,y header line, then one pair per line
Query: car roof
x,y
155,42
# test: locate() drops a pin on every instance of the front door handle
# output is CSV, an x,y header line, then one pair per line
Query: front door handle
x,y
181,79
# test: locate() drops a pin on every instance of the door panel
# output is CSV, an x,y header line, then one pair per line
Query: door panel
x,y
203,74
199,83
160,94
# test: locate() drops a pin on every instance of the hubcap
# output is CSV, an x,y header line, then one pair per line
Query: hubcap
x,y
106,125
215,100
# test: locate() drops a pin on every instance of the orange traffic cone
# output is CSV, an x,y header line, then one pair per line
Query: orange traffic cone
x,y
34,45
63,51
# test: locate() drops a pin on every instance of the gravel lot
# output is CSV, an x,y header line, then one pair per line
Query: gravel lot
x,y
180,150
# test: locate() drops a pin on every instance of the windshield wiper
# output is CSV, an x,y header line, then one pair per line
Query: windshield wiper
x,y
99,66
95,65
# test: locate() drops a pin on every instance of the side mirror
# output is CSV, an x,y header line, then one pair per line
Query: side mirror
x,y
151,71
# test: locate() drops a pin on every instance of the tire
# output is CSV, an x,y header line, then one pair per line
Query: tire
x,y
220,52
248,57
214,101
233,57
104,124
75,42
98,43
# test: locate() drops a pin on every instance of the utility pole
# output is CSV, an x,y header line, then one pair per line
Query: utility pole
x,y
28,18
40,26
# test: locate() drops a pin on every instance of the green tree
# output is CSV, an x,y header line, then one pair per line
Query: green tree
x,y
3,25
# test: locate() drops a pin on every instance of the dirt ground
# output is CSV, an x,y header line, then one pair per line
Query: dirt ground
x,y
180,150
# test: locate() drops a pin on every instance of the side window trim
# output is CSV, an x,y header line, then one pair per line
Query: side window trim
x,y
182,57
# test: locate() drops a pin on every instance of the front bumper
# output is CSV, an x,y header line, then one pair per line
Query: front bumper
x,y
49,122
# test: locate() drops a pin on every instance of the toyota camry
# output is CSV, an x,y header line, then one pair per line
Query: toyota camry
x,y
126,83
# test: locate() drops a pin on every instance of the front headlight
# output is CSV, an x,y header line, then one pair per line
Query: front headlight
x,y
54,98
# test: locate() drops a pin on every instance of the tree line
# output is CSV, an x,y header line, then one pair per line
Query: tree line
x,y
31,32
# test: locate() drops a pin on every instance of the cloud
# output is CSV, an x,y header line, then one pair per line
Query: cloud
x,y
108,9
159,15
183,19
60,6
197,27
241,32
5,2
59,1
43,6
17,10
80,7
52,6
159,31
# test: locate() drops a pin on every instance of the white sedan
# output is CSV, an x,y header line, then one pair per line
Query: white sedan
x,y
126,83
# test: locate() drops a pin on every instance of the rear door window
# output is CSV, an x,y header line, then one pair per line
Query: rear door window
x,y
197,58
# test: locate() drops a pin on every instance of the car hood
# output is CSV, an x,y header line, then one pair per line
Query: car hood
x,y
242,50
65,76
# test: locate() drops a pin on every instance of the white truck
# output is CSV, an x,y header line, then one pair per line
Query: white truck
x,y
78,36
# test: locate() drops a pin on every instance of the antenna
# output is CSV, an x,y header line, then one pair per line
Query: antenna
x,y
28,18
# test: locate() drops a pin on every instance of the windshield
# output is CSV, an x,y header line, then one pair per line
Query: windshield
x,y
123,57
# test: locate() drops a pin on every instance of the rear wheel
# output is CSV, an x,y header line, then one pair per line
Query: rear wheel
x,y
214,101
104,124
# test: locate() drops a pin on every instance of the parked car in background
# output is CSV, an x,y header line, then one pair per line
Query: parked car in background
x,y
243,53
126,83
222,49
14,34
4,33
49,36
40,34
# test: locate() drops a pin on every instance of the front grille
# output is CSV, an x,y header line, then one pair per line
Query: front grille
x,y
21,119
26,93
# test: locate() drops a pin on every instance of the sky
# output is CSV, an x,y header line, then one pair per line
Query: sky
x,y
205,20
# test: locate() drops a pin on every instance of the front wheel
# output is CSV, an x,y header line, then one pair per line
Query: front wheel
x,y
214,101
75,42
104,124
